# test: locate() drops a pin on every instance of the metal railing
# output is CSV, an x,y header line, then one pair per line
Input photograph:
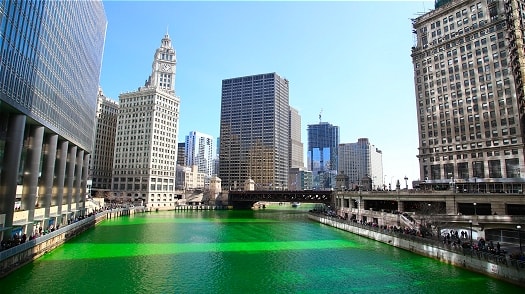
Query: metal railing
x,y
44,238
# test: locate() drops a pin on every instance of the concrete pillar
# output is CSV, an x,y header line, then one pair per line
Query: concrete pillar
x,y
70,176
498,208
78,179
400,206
31,174
48,174
85,174
11,162
58,199
450,205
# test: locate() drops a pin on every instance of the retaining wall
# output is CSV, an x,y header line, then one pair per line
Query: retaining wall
x,y
500,268
13,258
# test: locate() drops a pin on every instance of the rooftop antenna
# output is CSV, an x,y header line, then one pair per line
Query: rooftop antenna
x,y
320,113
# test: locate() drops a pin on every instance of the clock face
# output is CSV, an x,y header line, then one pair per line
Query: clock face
x,y
166,67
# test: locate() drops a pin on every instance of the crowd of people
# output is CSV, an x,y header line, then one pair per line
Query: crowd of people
x,y
19,237
455,239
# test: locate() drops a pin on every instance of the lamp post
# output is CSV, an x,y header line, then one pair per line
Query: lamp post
x,y
470,221
406,182
519,236
429,221
475,212
358,204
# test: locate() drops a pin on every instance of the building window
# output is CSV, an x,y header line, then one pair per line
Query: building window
x,y
478,169
463,170
494,169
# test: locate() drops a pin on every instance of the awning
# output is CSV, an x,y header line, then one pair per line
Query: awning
x,y
40,218
21,223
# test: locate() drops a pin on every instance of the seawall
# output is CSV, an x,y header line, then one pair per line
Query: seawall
x,y
498,267
13,258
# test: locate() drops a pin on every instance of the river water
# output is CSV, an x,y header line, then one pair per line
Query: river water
x,y
266,251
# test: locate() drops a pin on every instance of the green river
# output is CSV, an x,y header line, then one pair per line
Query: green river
x,y
265,251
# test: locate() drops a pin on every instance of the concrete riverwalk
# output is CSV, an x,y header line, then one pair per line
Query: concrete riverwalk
x,y
497,266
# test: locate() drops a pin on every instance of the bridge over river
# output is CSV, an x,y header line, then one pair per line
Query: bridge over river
x,y
246,199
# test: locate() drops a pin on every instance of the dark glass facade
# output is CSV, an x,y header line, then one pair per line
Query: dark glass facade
x,y
323,141
50,60
51,53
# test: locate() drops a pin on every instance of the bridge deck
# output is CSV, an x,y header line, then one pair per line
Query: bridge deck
x,y
281,196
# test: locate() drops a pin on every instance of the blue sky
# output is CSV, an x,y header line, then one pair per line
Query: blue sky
x,y
350,59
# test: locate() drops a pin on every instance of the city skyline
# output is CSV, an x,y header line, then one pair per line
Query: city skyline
x,y
324,60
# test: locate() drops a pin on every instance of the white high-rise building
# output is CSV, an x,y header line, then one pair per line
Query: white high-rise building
x,y
144,166
296,145
199,152
104,146
362,162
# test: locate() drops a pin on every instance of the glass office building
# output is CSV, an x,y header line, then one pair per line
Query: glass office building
x,y
50,60
323,141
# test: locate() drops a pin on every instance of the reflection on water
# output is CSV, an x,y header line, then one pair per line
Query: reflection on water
x,y
272,250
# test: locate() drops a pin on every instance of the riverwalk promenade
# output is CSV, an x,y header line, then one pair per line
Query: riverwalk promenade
x,y
16,253
500,266
14,256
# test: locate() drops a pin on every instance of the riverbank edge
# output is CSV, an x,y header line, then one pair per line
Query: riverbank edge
x,y
472,263
18,256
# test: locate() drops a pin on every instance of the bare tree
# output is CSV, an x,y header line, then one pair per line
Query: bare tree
x,y
430,220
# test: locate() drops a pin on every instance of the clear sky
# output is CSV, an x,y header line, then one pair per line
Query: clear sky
x,y
349,59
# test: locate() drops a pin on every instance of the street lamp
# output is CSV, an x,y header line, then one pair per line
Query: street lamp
x,y
470,221
358,203
406,182
519,236
429,221
475,212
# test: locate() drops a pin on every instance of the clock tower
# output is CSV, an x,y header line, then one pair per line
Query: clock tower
x,y
163,67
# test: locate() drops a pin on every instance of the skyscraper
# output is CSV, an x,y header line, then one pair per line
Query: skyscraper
x,y
254,132
323,140
181,154
199,152
468,72
296,145
146,141
104,147
51,53
361,160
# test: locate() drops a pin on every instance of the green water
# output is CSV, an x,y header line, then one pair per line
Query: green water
x,y
270,251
